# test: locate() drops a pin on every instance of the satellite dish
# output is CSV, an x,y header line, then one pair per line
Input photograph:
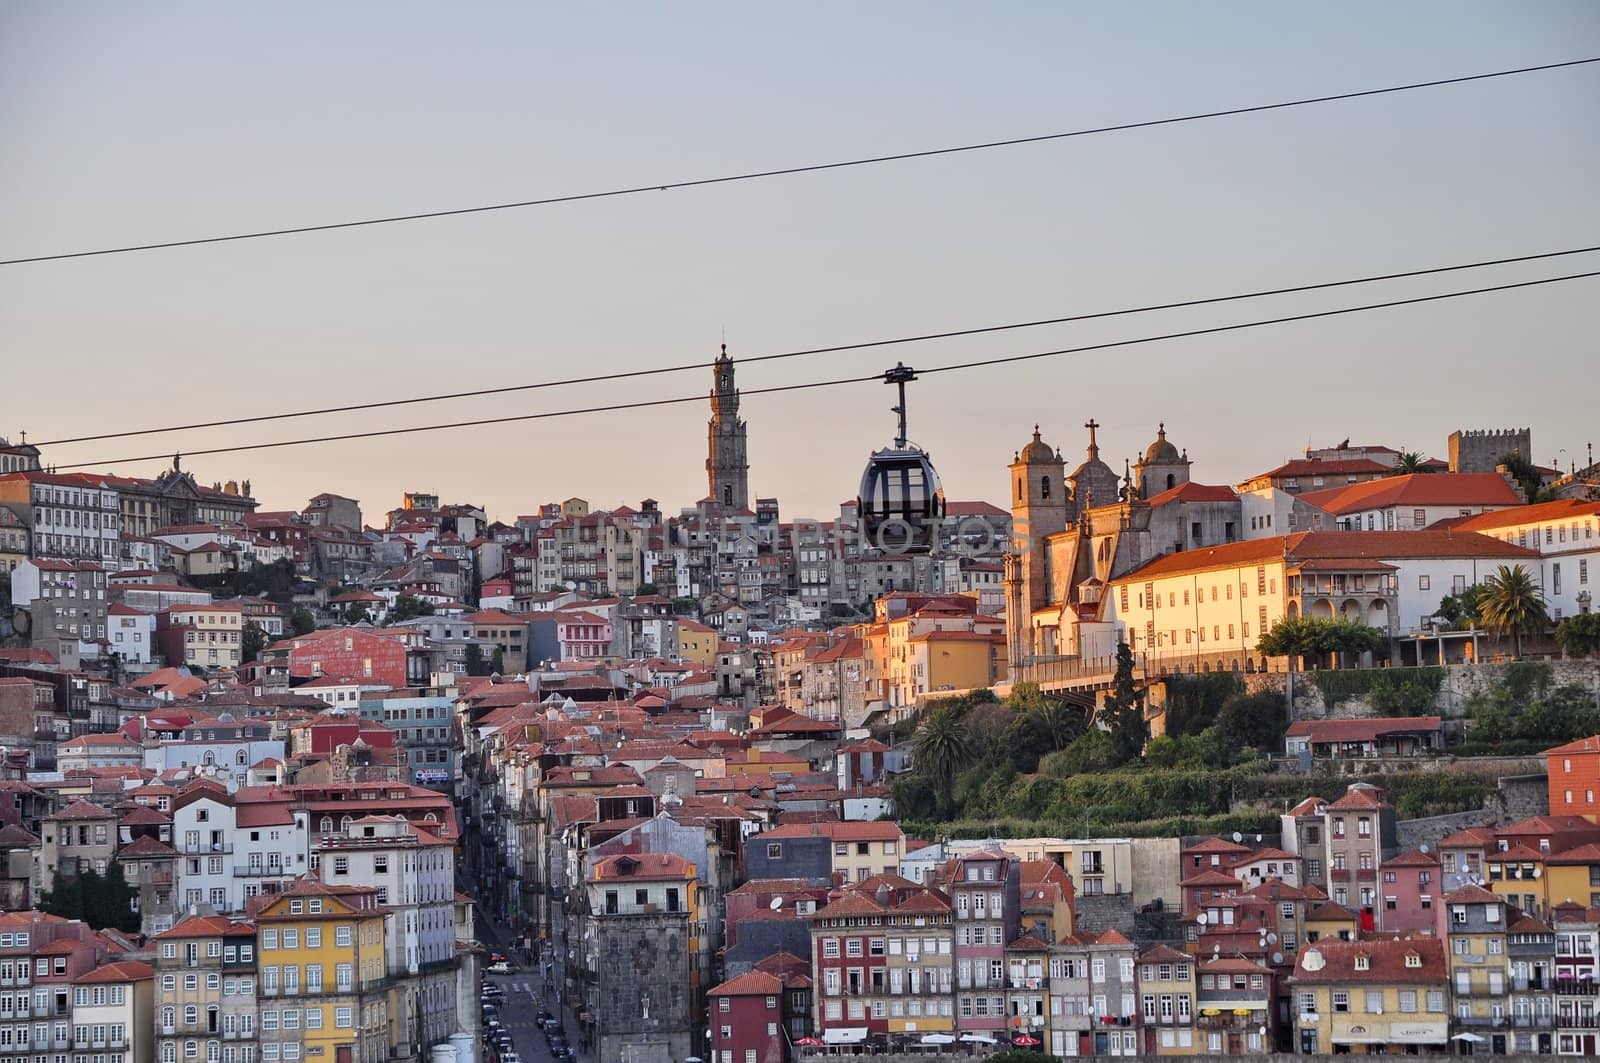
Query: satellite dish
x,y
1202,919
1277,959
1272,939
1258,839
777,902
1423,849
1237,837
1216,950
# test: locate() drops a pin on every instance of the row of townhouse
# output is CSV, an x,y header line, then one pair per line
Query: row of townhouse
x,y
317,971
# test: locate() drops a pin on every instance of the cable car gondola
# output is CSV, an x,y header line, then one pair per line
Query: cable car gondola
x,y
901,501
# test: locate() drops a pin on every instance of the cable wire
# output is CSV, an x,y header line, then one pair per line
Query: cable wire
x,y
1005,360
866,344
793,170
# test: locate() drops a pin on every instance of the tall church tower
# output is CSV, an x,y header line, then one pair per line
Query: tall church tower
x,y
727,465
1040,502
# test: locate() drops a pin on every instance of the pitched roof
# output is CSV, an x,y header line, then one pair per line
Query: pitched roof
x,y
1193,492
1418,489
749,984
1367,730
122,971
1335,961
1561,509
1582,745
1319,467
1303,546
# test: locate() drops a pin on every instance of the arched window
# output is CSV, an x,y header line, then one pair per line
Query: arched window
x,y
210,758
169,1052
1044,487
1170,480
327,825
239,757
727,494
344,825
169,1018
1019,489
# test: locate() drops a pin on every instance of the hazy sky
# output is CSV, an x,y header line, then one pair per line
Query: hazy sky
x,y
133,123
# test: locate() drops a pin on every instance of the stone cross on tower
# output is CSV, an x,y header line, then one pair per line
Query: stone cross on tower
x,y
1094,448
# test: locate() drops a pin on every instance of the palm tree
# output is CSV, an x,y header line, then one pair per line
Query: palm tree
x,y
1410,461
1511,604
942,745
1058,723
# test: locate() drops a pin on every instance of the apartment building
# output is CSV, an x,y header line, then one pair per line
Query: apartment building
x,y
205,995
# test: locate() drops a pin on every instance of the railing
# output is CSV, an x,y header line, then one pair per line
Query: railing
x,y
246,870
1575,987
1578,1022
207,849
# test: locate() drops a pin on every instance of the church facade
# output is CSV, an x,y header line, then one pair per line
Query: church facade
x,y
1076,532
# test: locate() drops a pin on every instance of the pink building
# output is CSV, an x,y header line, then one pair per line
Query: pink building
x,y
985,891
583,635
746,1019
1411,885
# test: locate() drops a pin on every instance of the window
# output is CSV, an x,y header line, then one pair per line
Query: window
x,y
1341,1000
1422,583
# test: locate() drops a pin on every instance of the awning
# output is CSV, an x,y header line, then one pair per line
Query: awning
x,y
937,1039
978,1039
845,1035
1211,1011
1470,1037
1242,1011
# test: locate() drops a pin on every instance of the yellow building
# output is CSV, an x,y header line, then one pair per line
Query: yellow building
x,y
1326,921
1518,875
1047,899
1476,922
1386,996
919,964
324,975
1573,876
949,660
1167,1002
697,643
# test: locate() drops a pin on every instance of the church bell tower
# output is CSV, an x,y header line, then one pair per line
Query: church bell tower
x,y
727,464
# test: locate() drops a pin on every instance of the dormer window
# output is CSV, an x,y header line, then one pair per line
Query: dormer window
x,y
1363,963
1413,959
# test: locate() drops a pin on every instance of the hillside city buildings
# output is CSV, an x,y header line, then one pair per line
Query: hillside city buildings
x,y
329,767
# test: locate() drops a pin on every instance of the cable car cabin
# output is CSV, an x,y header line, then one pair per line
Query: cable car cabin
x,y
901,501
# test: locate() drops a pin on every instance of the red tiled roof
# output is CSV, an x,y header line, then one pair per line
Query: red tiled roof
x,y
1418,489
1368,730
123,971
1561,509
1386,960
1318,467
1304,546
1193,492
749,984
1582,745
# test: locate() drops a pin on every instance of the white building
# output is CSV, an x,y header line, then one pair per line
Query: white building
x,y
132,634
226,759
73,515
1564,534
203,832
114,1006
414,874
1414,502
1206,607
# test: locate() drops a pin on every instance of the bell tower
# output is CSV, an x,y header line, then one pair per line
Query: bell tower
x,y
727,464
1040,505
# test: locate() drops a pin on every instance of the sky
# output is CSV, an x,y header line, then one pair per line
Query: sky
x,y
126,124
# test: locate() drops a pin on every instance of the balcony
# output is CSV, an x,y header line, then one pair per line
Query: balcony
x,y
256,871
207,849
1578,1022
1575,987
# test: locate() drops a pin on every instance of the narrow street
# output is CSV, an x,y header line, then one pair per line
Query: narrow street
x,y
528,992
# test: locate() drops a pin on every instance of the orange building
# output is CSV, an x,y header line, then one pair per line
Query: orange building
x,y
1573,771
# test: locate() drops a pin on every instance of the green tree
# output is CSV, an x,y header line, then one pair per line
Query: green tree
x,y
475,662
357,614
63,898
1579,636
407,607
497,664
1410,461
1527,706
1527,476
942,745
108,899
1512,604
1319,638
1123,712
685,606
1255,720
647,588
1459,611
251,643
302,621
